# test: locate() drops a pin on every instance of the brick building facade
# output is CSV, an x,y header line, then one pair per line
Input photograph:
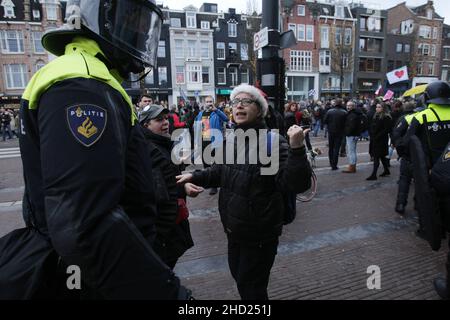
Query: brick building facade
x,y
425,25
22,23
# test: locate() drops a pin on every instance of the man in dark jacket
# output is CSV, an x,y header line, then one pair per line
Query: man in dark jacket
x,y
173,235
352,132
335,121
251,204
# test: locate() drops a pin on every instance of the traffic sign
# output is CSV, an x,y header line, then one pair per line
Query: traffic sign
x,y
261,39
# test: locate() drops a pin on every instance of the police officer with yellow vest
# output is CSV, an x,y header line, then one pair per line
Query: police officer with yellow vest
x,y
432,127
88,182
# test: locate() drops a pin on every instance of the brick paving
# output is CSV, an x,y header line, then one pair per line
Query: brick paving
x,y
323,254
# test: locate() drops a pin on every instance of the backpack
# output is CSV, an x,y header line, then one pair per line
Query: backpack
x,y
363,124
289,198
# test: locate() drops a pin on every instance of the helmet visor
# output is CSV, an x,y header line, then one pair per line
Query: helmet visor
x,y
135,26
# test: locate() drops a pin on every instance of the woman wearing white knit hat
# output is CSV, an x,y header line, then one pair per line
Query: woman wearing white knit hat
x,y
251,205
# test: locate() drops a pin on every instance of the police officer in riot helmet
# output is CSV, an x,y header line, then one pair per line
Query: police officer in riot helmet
x,y
432,127
88,182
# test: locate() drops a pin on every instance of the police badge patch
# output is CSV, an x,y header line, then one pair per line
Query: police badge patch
x,y
86,122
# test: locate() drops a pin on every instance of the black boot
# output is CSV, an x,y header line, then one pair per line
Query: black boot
x,y
372,177
401,202
400,208
385,173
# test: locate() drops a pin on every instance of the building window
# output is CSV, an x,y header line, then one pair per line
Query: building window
x,y
324,37
204,24
430,14
36,14
345,60
221,76
301,60
179,49
220,50
348,36
338,36
194,73
339,12
407,48
301,32
232,49
149,78
373,24
419,68
162,76
192,48
399,47
52,11
191,20
38,65
179,70
435,33
368,64
301,10
293,27
204,49
36,39
162,49
363,23
16,76
232,30
425,49
433,50
310,33
205,74
425,32
233,76
244,51
12,41
8,7
431,68
446,53
370,45
325,58
175,22
244,76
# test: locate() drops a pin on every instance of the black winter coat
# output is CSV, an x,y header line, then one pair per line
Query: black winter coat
x,y
289,120
379,135
250,204
335,119
172,239
352,123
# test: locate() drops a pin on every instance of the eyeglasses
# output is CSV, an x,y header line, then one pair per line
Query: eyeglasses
x,y
244,102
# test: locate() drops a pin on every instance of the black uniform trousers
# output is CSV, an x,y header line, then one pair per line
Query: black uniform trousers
x,y
250,266
404,181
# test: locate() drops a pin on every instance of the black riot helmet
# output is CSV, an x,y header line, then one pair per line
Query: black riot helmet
x,y
127,31
437,92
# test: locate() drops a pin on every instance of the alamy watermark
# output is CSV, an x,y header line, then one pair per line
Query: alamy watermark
x,y
262,145
374,281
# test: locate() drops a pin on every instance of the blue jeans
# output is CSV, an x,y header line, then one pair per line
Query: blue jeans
x,y
317,126
6,128
351,149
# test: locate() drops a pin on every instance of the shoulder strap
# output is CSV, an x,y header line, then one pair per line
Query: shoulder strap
x,y
425,122
437,116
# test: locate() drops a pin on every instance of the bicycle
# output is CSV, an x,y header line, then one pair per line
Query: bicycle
x,y
308,195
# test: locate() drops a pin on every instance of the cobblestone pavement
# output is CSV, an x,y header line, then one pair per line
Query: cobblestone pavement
x,y
324,254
